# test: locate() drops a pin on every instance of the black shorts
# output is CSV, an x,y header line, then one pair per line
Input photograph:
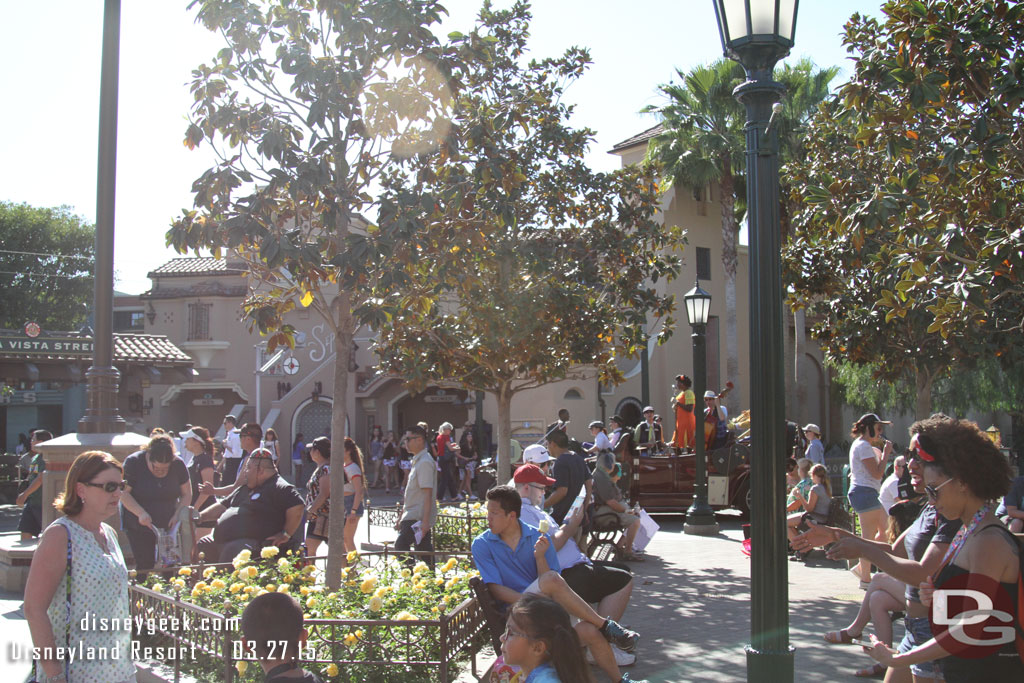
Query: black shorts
x,y
594,582
31,521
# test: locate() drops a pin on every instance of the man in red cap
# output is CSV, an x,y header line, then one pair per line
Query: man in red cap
x,y
609,584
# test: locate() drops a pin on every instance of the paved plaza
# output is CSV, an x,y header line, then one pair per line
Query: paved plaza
x,y
691,604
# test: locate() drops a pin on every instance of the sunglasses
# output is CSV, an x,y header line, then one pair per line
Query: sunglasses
x,y
933,491
109,487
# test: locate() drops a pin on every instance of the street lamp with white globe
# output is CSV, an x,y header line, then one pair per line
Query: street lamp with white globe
x,y
757,34
700,518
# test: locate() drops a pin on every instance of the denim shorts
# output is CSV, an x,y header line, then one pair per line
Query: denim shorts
x,y
864,499
919,632
350,500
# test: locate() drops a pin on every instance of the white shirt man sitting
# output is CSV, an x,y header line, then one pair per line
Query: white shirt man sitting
x,y
609,584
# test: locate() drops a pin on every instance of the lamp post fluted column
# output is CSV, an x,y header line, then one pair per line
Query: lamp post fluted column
x,y
769,655
102,378
700,518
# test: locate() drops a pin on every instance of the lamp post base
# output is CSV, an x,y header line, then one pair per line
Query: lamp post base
x,y
769,666
700,520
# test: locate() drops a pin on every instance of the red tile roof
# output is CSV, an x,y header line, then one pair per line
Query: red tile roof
x,y
152,349
639,138
193,266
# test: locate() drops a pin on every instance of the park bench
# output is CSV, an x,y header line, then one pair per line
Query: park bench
x,y
494,613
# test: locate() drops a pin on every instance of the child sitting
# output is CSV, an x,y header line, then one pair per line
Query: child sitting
x,y
540,640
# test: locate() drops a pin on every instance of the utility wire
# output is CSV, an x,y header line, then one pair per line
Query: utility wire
x,y
36,253
64,277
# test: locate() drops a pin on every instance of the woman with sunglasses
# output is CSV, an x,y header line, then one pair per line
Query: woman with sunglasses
x,y
158,487
78,572
965,474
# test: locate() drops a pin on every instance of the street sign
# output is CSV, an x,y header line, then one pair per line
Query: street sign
x,y
46,346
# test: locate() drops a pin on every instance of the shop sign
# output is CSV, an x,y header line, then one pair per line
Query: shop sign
x,y
46,346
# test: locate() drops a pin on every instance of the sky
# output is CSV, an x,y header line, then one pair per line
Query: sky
x,y
50,114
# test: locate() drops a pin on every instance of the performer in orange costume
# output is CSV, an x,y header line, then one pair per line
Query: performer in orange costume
x,y
686,421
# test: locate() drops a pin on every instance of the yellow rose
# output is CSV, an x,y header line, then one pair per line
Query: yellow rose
x,y
209,571
261,592
310,601
406,573
249,589
185,571
218,584
241,558
236,586
449,565
351,640
241,667
376,604
417,588
284,588
438,581
420,568
269,552
180,583
332,670
271,588
242,597
404,616
252,572
157,587
434,609
310,568
476,506
381,592
283,563
352,556
304,591
368,585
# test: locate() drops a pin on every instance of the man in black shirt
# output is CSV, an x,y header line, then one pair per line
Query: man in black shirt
x,y
266,511
571,475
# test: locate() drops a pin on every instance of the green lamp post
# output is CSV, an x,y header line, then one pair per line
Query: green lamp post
x,y
700,518
757,34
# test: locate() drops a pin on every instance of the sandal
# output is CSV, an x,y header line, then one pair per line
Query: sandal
x,y
876,671
631,557
840,637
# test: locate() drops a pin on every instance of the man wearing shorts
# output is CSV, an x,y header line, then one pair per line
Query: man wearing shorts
x,y
514,558
608,584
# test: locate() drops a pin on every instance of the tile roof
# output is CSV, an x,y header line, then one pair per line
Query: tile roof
x,y
192,266
147,349
637,139
154,349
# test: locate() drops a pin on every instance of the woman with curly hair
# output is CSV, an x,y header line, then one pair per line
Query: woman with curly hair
x,y
965,474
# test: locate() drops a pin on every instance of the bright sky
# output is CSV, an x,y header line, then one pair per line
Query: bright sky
x,y
48,151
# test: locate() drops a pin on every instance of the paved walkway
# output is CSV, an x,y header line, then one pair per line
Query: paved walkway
x,y
691,605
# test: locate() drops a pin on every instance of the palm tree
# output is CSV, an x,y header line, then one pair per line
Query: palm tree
x,y
702,143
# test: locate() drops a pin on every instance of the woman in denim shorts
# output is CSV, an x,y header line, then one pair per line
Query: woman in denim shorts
x,y
867,465
355,492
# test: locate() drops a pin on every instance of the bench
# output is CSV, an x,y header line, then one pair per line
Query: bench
x,y
494,612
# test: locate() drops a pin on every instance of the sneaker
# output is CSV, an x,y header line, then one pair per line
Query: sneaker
x,y
620,637
621,658
626,679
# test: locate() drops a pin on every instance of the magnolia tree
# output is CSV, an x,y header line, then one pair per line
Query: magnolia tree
x,y
527,267
306,106
908,237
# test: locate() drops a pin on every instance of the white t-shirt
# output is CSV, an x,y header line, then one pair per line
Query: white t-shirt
x,y
570,554
889,492
351,470
860,451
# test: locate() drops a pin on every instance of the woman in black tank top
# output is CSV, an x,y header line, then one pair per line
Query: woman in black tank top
x,y
965,474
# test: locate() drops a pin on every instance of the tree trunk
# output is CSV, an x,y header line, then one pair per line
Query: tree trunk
x,y
504,396
923,382
800,382
729,264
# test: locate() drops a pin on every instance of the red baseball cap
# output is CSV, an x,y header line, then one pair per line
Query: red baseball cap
x,y
531,474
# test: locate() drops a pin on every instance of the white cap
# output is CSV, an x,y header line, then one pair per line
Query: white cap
x,y
186,435
536,454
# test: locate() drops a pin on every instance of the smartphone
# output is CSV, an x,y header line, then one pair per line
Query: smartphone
x,y
861,642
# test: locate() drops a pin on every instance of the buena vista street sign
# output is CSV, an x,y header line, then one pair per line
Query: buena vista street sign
x,y
46,346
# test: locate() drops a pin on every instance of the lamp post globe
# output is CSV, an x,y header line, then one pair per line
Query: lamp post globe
x,y
757,34
700,518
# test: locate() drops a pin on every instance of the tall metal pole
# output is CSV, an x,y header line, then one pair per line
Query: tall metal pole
x,y
101,414
645,375
700,518
769,655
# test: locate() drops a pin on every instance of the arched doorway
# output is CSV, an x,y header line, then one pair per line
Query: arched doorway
x,y
433,406
629,409
313,419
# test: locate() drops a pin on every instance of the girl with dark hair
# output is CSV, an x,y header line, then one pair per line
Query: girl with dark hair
x,y
318,495
541,641
158,487
78,572
964,475
270,443
355,492
467,457
197,444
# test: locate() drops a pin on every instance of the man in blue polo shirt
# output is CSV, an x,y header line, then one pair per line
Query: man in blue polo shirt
x,y
514,558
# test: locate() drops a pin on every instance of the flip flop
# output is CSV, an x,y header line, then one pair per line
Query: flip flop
x,y
876,671
840,637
